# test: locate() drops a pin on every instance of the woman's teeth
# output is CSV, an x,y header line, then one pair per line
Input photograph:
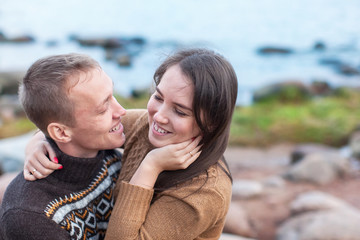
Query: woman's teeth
x,y
158,129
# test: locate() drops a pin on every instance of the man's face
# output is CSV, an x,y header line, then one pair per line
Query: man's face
x,y
97,114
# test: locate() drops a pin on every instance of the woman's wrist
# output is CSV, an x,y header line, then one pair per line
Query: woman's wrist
x,y
146,175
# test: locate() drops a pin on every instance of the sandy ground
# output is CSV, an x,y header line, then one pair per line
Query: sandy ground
x,y
272,208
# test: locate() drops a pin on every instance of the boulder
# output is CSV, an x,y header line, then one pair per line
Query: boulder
x,y
244,189
348,70
317,201
319,168
319,46
9,82
301,150
320,88
286,91
5,179
226,236
274,50
237,222
355,144
320,216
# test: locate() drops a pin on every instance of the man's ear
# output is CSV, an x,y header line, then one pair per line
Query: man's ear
x,y
59,132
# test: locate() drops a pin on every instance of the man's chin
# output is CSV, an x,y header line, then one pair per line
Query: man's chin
x,y
117,142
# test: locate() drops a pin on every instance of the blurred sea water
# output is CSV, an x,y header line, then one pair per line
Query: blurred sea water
x,y
235,28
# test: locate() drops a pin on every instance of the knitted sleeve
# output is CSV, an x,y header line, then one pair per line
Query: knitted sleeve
x,y
18,224
130,119
181,214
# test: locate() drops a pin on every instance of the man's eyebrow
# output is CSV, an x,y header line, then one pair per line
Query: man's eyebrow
x,y
177,104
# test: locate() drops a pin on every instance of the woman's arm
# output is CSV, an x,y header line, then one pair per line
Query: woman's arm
x,y
38,150
185,212
37,163
170,157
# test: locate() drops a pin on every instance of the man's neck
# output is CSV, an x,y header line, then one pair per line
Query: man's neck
x,y
75,151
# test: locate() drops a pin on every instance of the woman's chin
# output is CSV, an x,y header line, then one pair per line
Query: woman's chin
x,y
156,142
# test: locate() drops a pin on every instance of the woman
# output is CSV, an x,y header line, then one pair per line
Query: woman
x,y
195,95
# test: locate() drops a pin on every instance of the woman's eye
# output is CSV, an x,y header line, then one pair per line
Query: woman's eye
x,y
180,113
157,98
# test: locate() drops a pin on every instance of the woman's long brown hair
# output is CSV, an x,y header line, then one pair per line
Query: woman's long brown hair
x,y
215,91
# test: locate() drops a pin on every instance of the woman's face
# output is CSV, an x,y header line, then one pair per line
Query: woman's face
x,y
171,118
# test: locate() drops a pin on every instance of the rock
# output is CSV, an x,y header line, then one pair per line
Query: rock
x,y
51,43
237,222
123,60
323,225
18,39
22,39
347,70
301,150
9,82
320,216
330,61
5,179
247,189
317,201
109,42
226,236
320,88
140,92
355,144
12,152
10,108
274,50
274,182
286,91
319,46
319,168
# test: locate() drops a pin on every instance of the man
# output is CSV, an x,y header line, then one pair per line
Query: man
x,y
70,99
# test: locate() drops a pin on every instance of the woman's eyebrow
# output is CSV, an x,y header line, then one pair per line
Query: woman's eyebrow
x,y
158,90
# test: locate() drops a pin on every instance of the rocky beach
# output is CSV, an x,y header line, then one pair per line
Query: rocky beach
x,y
281,192
284,187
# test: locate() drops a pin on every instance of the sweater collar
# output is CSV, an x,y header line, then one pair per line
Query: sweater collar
x,y
75,169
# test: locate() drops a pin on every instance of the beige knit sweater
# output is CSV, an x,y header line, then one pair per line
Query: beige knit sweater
x,y
184,212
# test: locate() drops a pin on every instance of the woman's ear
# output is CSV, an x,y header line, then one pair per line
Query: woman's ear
x,y
59,132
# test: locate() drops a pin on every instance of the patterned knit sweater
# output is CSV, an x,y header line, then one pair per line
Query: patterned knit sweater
x,y
72,203
193,210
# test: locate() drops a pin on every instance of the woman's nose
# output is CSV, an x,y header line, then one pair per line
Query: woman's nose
x,y
161,117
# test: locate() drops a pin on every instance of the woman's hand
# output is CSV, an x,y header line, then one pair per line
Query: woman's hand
x,y
170,157
37,164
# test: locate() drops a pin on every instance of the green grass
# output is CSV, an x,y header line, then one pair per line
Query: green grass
x,y
15,128
23,125
328,120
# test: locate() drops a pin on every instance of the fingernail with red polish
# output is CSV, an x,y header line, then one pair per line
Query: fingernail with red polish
x,y
56,160
61,167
